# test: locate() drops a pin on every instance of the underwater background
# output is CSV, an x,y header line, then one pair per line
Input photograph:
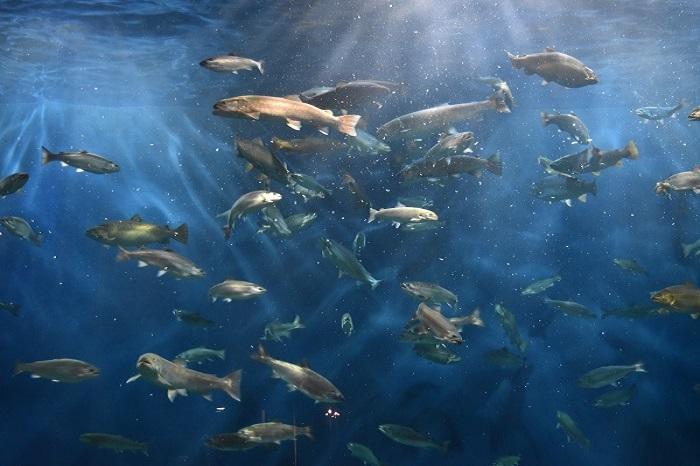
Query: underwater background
x,y
123,79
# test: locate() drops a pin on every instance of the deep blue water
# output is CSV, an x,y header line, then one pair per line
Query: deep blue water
x,y
122,79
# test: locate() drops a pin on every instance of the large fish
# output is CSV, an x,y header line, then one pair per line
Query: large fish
x,y
230,290
350,95
21,228
292,111
608,375
679,298
569,123
273,432
562,188
114,442
165,261
347,263
681,182
430,292
248,202
82,161
177,379
59,370
13,183
302,378
555,67
401,214
452,166
136,232
438,325
260,157
232,63
451,144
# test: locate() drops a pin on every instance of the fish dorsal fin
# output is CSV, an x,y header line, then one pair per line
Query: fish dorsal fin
x,y
232,54
399,204
328,112
293,97
572,113
696,168
83,151
549,49
258,140
690,284
136,218
168,249
341,83
305,364
180,362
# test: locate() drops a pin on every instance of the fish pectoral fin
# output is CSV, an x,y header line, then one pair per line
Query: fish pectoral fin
x,y
208,397
79,170
248,167
252,115
161,272
695,316
567,202
291,388
34,376
583,198
323,130
171,395
133,378
142,264
397,224
64,164
294,124
696,191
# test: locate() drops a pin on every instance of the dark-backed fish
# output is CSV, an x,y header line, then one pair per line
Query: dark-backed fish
x,y
81,161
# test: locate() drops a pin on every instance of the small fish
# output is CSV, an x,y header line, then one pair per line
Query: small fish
x,y
177,379
608,375
540,285
346,324
499,85
430,292
571,308
192,318
437,353
358,193
510,326
12,308
363,454
275,221
232,64
273,432
401,214
614,398
82,161
359,243
13,183
249,202
307,186
635,312
565,422
302,378
680,182
407,436
200,354
166,261
298,222
557,67
21,228
230,442
136,232
630,265
347,263
569,123
659,113
277,330
114,442
505,359
59,370
230,290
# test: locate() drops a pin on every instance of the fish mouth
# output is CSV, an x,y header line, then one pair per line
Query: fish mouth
x,y
205,62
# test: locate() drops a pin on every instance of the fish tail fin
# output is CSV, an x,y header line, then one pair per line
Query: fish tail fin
x,y
307,432
632,151
297,321
261,66
19,368
36,238
374,283
545,118
181,233
232,384
347,123
144,449
227,232
372,215
47,156
122,255
639,367
499,102
221,354
682,103
687,248
513,59
261,355
444,446
495,165
475,318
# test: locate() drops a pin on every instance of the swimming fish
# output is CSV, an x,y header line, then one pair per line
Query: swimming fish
x,y
562,188
451,144
557,67
569,123
136,232
82,161
166,261
273,432
59,370
614,398
21,228
346,324
277,330
13,183
257,156
438,325
365,143
346,262
12,308
452,166
192,318
230,441
232,64
608,375
401,214
230,290
248,202
347,95
364,454
437,353
408,436
694,114
430,292
505,359
659,113
540,285
309,145
683,181
117,443
565,422
630,265
510,326
571,308
200,354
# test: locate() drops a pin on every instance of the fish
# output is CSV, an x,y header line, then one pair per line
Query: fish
x,y
539,286
614,398
277,330
452,166
630,265
310,145
557,67
432,120
567,424
82,161
679,298
419,334
569,123
302,378
114,442
359,194
166,261
359,243
634,312
177,379
307,186
248,202
136,232
510,326
423,226
274,220
231,63
12,308
200,354
346,262
691,248
363,454
603,159
273,432
401,214
451,144
571,164
562,188
659,113
298,222
21,228
683,181
366,143
257,156
59,370
192,318
437,353
430,292
438,325
346,324
230,442
347,95
571,308
507,461
230,290
408,436
608,375
13,183
499,85
694,115
416,201
294,112
505,359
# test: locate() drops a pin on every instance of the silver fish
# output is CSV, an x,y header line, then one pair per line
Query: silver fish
x,y
438,325
230,290
273,432
200,354
232,64
13,183
21,228
347,262
451,144
614,398
630,265
192,318
259,157
81,161
659,113
510,326
608,375
248,202
166,261
363,454
557,67
571,308
59,370
430,292
407,436
569,123
540,285
565,422
277,330
683,181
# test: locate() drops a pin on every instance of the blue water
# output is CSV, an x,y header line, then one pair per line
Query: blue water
x,y
122,79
